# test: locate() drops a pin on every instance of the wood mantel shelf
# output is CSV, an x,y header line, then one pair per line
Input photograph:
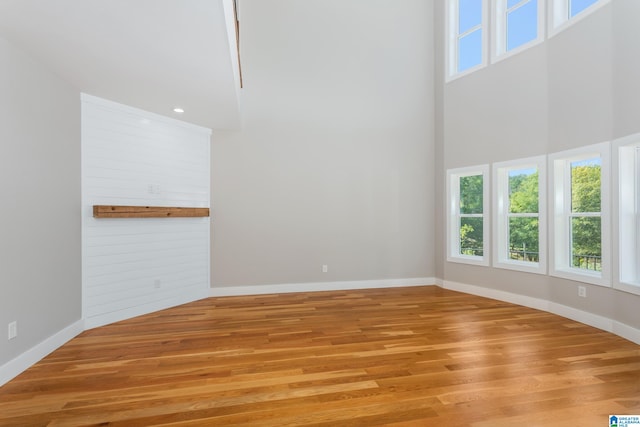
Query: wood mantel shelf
x,y
112,211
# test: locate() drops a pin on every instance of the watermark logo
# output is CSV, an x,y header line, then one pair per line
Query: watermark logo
x,y
624,420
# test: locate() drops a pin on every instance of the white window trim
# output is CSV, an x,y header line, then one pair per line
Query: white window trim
x,y
559,203
453,215
626,155
558,15
499,31
501,215
451,40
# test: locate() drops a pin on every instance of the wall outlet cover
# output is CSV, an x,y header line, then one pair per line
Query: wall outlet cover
x,y
13,330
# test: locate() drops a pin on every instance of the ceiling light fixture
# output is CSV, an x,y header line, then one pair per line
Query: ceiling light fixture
x,y
178,110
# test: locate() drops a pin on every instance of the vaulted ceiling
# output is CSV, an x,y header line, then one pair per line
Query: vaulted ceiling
x,y
151,54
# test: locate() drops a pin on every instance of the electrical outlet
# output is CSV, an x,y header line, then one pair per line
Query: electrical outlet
x,y
325,268
157,283
582,291
13,330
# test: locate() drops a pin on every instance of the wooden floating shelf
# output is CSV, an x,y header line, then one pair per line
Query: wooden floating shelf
x,y
111,211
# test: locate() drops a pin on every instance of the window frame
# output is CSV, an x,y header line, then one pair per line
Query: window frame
x,y
499,13
626,152
452,38
453,215
502,215
558,15
560,214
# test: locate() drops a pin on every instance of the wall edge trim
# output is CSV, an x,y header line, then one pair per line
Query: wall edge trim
x,y
24,361
604,323
320,286
116,316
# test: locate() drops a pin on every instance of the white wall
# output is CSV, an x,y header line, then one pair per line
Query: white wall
x,y
334,164
575,89
626,67
136,265
40,196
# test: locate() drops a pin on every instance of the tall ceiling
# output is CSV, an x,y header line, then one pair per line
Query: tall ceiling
x,y
152,54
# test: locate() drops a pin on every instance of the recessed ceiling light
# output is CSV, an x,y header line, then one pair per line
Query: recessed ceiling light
x,y
178,110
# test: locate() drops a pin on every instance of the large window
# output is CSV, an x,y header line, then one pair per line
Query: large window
x,y
520,215
468,218
628,177
580,232
517,24
466,41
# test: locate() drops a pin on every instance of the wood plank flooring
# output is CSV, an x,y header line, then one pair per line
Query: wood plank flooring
x,y
419,356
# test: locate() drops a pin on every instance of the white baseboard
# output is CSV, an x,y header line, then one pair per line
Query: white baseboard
x,y
15,367
581,316
625,331
526,301
91,322
320,286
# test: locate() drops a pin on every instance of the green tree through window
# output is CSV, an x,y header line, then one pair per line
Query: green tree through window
x,y
471,215
523,216
585,217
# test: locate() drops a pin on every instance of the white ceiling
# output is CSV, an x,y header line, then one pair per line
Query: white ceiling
x,y
150,54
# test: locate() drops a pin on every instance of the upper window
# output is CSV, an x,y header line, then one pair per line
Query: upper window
x,y
519,220
628,153
580,232
515,25
468,219
466,29
565,12
518,24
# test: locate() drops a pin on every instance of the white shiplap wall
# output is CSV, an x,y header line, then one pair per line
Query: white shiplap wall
x,y
135,266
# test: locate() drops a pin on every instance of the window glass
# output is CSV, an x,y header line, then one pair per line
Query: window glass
x,y
470,51
522,23
586,230
471,209
471,194
469,15
523,215
523,191
577,6
523,239
466,27
586,243
585,185
471,236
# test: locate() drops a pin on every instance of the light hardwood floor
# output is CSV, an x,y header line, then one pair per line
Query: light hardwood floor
x,y
419,356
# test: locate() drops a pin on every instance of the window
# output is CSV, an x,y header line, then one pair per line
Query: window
x,y
580,232
520,215
628,203
515,25
466,41
518,24
565,12
468,219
